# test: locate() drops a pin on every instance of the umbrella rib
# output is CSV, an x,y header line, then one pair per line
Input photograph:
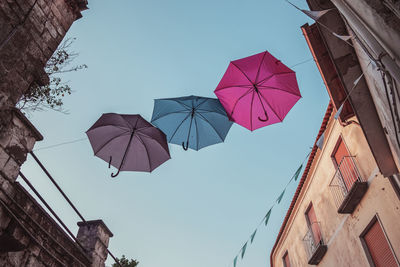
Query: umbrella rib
x,y
106,143
147,152
270,107
147,136
251,111
259,67
201,103
169,113
275,88
197,134
272,75
242,72
183,104
212,111
177,128
234,106
127,123
111,125
212,126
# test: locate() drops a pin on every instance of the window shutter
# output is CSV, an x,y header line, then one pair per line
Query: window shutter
x,y
378,247
312,219
345,164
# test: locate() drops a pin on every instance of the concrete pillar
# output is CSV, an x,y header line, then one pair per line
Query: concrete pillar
x,y
94,236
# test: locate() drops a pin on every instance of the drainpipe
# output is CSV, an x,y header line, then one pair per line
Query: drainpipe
x,y
357,24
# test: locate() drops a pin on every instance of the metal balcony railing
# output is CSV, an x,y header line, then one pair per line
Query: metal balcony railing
x,y
314,244
347,185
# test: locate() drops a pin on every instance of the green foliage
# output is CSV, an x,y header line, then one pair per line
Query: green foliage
x,y
124,262
51,96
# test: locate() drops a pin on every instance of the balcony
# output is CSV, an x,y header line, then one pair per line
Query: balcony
x,y
347,186
314,244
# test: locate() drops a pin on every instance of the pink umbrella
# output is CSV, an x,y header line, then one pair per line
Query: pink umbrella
x,y
257,91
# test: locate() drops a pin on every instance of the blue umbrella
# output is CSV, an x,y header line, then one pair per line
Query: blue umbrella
x,y
193,121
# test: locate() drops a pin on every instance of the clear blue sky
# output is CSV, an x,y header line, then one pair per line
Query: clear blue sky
x,y
198,208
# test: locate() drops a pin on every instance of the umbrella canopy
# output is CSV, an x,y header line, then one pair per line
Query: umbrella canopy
x,y
193,121
128,142
257,91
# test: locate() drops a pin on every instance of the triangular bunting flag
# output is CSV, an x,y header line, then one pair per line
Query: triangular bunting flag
x,y
342,37
339,111
252,236
315,15
235,261
320,142
280,197
296,175
358,79
244,249
267,216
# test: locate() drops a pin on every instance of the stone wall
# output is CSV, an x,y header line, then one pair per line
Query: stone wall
x,y
28,235
30,32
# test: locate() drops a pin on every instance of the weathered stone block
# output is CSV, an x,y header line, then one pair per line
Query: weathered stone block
x,y
34,262
4,219
6,188
11,169
12,10
52,30
3,157
18,258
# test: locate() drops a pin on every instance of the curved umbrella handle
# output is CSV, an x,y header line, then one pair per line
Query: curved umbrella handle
x,y
115,175
266,117
183,145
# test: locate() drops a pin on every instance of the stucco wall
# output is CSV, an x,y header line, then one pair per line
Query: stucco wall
x,y
340,231
376,86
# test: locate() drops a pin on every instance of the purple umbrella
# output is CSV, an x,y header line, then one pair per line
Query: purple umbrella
x,y
128,142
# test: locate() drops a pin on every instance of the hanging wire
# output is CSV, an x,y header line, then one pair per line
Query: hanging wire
x,y
270,209
61,144
301,63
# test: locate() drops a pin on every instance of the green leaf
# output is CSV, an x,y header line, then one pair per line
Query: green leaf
x,y
235,261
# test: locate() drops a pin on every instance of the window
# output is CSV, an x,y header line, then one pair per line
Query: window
x,y
313,224
377,246
314,244
286,260
345,164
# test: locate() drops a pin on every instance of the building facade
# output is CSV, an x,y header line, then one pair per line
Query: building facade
x,y
346,209
342,203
